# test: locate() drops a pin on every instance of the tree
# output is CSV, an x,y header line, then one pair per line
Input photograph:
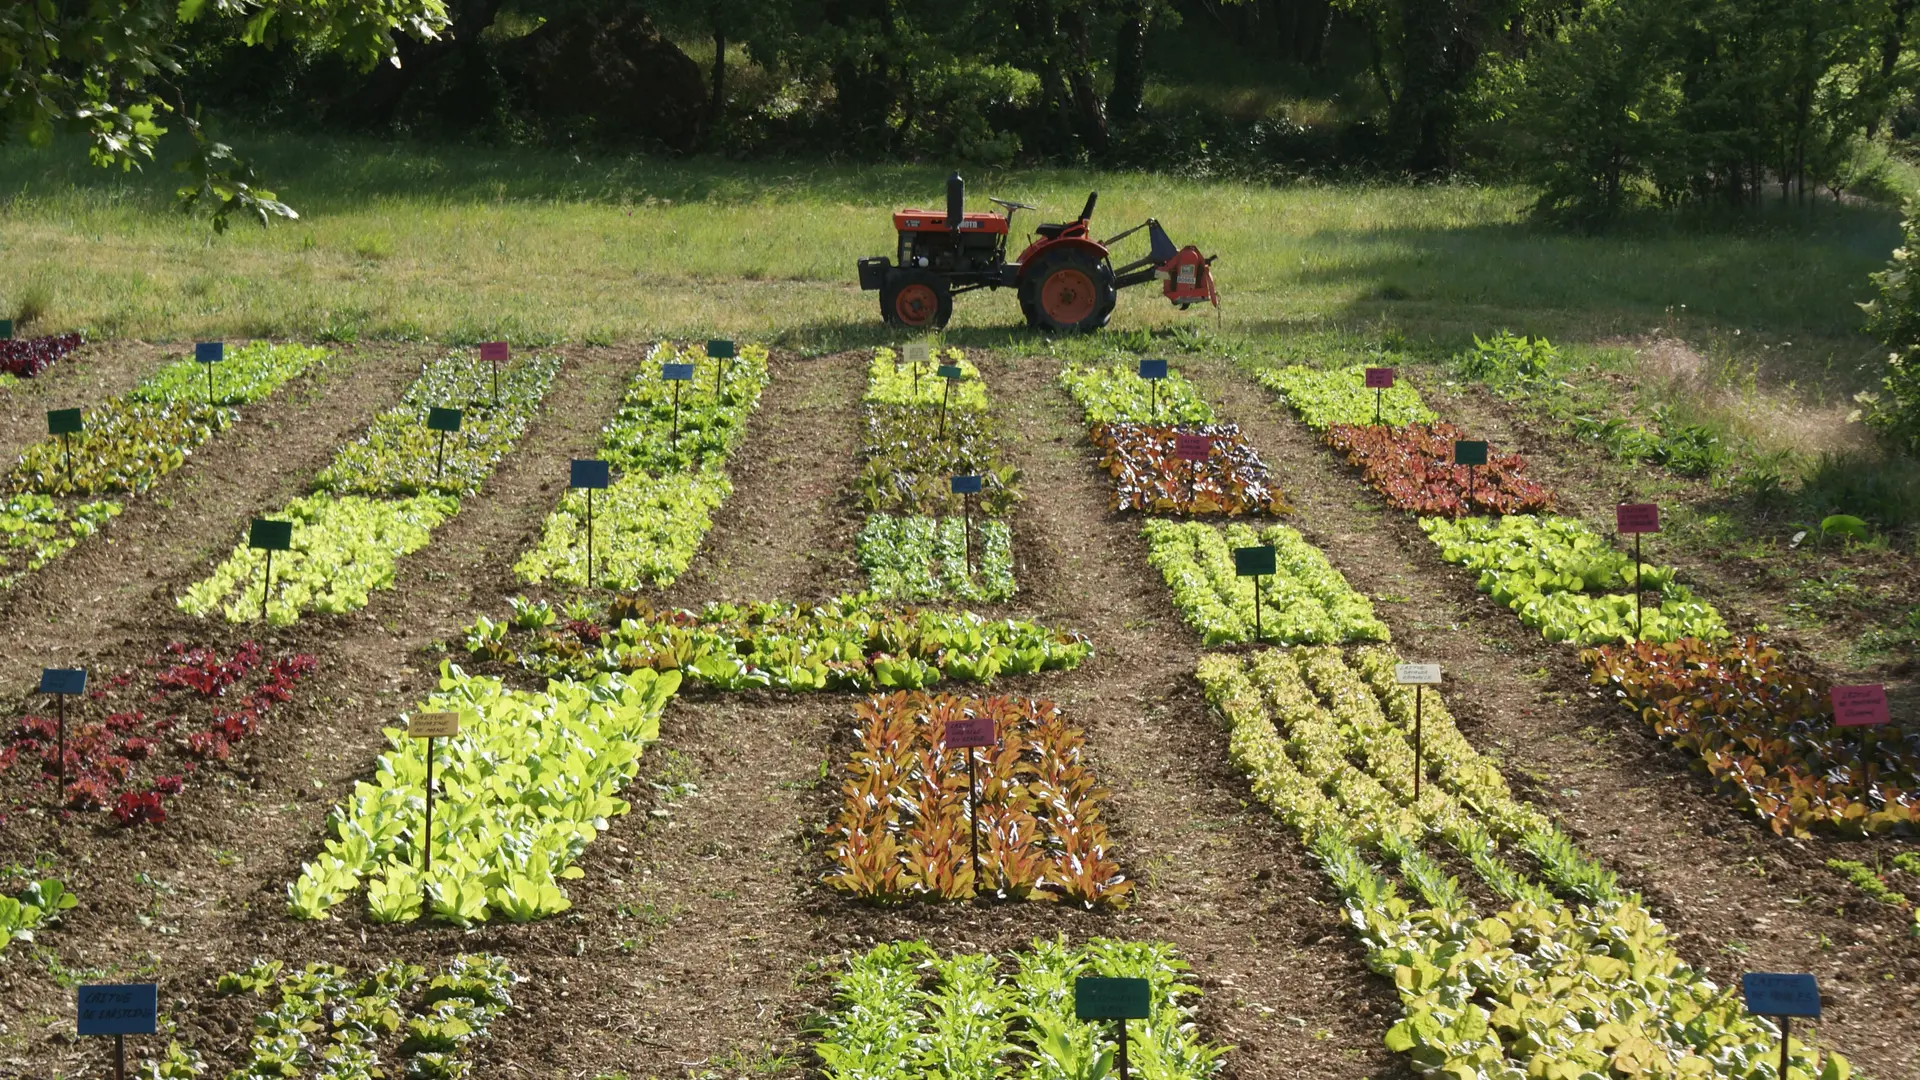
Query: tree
x,y
111,70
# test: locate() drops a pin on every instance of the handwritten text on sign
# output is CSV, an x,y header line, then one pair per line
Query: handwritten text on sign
x,y
124,1009
969,731
493,351
1769,994
1416,674
1192,447
1860,706
434,725
917,353
1630,518
1379,378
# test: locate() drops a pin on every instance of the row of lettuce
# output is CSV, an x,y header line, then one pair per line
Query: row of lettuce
x,y
1541,965
62,489
1756,719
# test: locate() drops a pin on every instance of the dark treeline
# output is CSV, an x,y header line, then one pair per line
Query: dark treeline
x,y
1604,104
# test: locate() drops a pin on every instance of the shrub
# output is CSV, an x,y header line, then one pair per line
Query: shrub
x,y
1893,412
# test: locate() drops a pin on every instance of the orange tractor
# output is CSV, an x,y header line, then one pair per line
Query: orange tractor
x,y
1066,279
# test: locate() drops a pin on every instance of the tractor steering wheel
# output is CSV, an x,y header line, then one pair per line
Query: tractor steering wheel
x,y
1012,206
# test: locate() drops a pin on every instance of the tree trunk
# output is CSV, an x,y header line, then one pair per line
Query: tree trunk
x,y
1130,66
1091,118
1890,45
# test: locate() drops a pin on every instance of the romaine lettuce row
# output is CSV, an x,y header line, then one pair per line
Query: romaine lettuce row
x,y
1305,602
527,784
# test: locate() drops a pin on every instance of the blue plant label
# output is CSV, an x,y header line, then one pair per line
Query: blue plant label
x,y
1253,561
443,419
63,421
948,371
966,485
720,349
1771,994
270,535
1111,999
118,1009
1153,369
209,352
589,473
677,372
63,680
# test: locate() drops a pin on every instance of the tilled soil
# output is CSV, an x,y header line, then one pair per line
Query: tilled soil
x,y
1738,897
86,376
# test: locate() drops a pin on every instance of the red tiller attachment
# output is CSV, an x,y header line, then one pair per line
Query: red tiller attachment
x,y
1185,275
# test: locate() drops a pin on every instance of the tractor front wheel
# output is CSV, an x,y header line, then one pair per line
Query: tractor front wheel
x,y
916,299
1067,292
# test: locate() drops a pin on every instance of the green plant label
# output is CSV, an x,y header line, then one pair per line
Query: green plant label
x,y
1770,994
494,351
720,349
588,473
1253,561
433,725
918,352
1416,674
676,372
443,419
118,1009
1469,452
1632,518
948,371
6,329
209,352
965,485
1192,447
969,732
1379,378
1860,706
1111,999
63,421
270,535
56,680
1153,369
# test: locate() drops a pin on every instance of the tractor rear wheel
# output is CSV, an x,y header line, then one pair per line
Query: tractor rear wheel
x,y
915,299
1067,292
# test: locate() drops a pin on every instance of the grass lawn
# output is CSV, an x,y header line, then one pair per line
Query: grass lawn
x,y
465,244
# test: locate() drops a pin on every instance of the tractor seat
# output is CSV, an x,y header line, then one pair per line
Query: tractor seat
x,y
1052,232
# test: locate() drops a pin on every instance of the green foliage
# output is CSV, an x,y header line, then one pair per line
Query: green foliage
x,y
1545,569
923,558
1893,411
123,446
248,373
1115,393
902,1010
400,457
852,643
1867,880
1325,398
527,784
1687,449
35,530
1882,490
910,462
110,70
32,908
343,548
640,436
1540,988
1507,361
1306,601
646,532
893,382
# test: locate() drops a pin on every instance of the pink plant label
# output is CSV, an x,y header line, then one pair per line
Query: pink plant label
x,y
968,732
1192,447
494,351
1860,706
1630,518
1379,378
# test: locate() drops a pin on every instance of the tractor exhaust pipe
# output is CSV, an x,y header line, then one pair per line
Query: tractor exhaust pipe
x,y
956,202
